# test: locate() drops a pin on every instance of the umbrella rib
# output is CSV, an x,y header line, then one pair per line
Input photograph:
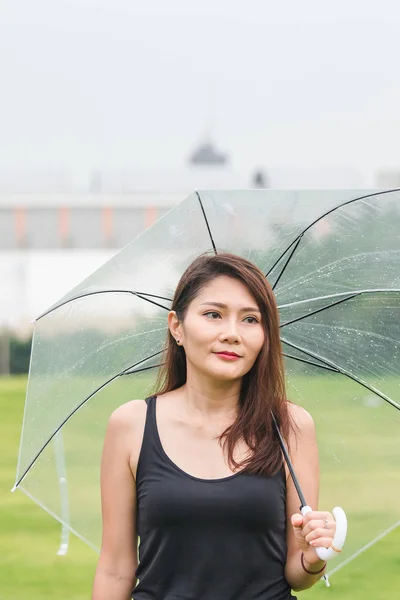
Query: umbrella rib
x,y
325,215
77,408
133,370
354,295
318,310
287,262
154,296
344,372
138,294
86,294
295,243
310,362
207,223
339,294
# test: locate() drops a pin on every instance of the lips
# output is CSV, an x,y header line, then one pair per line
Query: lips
x,y
229,354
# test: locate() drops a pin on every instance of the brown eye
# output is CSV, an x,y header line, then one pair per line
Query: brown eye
x,y
212,315
251,320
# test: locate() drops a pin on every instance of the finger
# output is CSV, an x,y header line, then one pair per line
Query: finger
x,y
319,525
317,515
297,520
322,542
312,525
320,532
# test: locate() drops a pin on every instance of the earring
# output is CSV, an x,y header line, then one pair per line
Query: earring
x,y
178,342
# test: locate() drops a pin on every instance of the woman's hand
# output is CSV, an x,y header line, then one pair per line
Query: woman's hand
x,y
316,528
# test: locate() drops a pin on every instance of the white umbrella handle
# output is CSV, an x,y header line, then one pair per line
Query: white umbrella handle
x,y
340,535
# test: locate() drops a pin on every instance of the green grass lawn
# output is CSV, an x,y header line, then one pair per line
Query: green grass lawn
x,y
29,538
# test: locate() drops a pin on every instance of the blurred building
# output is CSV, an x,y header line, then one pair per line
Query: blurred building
x,y
388,179
114,210
78,220
53,236
55,231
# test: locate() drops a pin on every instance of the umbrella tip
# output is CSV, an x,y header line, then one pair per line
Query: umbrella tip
x,y
63,549
13,489
327,582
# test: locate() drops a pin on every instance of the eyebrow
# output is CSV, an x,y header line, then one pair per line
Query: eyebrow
x,y
221,305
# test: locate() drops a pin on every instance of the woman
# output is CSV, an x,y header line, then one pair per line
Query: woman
x,y
196,471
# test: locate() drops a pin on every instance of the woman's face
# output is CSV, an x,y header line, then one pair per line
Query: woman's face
x,y
221,332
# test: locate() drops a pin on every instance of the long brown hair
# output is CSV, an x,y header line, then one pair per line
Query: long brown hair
x,y
263,387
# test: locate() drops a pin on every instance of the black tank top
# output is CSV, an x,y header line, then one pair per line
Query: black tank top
x,y
207,539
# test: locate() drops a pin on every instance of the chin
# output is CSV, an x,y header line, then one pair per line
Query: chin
x,y
224,374
218,372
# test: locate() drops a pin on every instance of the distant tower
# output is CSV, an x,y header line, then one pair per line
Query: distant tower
x,y
207,154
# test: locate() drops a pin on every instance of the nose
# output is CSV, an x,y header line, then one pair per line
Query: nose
x,y
230,333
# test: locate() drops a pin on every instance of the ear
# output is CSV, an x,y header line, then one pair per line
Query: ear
x,y
174,326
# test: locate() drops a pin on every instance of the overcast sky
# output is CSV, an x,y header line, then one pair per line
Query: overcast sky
x,y
123,84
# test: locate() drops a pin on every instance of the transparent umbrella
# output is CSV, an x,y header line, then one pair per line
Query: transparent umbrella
x,y
333,258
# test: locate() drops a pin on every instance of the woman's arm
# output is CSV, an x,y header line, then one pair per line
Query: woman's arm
x,y
302,530
116,568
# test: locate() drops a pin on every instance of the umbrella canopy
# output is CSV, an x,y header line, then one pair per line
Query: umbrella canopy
x,y
333,258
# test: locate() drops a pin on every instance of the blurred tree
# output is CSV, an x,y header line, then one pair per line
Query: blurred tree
x,y
260,179
20,351
4,353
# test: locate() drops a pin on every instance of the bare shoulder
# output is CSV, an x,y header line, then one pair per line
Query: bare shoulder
x,y
301,419
303,426
128,415
126,429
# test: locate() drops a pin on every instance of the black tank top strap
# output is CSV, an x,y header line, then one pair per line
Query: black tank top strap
x,y
149,443
149,399
151,456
